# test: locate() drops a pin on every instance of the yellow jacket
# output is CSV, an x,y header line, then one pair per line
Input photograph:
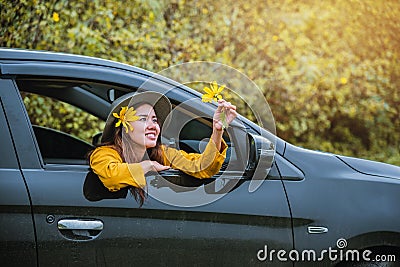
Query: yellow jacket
x,y
116,174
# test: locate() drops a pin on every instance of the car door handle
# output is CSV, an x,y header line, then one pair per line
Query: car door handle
x,y
317,229
80,224
80,229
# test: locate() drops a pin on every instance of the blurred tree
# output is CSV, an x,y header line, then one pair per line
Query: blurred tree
x,y
329,69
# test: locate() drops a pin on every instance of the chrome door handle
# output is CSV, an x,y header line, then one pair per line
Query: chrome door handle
x,y
80,224
80,229
317,229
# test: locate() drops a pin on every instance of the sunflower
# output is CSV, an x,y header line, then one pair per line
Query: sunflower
x,y
125,116
213,93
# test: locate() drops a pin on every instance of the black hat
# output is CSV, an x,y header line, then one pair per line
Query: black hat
x,y
161,104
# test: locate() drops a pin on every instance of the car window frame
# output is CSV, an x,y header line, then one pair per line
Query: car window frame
x,y
177,96
42,163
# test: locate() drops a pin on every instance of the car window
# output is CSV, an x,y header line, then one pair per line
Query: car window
x,y
63,132
60,116
67,115
190,131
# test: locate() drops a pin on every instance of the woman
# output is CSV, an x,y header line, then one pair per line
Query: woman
x,y
131,146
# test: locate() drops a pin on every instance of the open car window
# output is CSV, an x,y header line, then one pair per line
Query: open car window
x,y
190,131
63,132
67,115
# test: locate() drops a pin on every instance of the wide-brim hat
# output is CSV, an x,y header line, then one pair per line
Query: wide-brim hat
x,y
160,103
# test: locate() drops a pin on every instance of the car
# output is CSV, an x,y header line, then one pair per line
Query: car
x,y
309,208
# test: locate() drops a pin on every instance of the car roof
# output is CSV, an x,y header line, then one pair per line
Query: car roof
x,y
10,54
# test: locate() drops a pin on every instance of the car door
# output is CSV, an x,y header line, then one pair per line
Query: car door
x,y
17,233
78,222
223,218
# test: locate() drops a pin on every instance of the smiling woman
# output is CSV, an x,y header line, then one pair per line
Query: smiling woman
x,y
131,144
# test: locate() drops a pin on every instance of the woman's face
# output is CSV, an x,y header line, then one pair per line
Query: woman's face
x,y
145,129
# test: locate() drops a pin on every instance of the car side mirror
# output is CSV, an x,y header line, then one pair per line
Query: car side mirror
x,y
261,153
261,156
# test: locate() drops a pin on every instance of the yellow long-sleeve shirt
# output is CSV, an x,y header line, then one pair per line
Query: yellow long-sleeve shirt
x,y
116,174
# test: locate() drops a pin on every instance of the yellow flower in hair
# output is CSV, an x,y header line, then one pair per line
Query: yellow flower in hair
x,y
125,116
213,93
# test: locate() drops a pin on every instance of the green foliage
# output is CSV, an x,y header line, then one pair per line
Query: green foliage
x,y
329,69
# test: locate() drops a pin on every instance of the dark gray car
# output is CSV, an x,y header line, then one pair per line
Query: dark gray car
x,y
311,209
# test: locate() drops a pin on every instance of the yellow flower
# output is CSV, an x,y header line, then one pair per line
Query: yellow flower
x,y
213,93
56,17
125,116
343,80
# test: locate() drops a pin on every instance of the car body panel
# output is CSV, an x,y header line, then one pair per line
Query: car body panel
x,y
173,233
17,231
371,167
351,205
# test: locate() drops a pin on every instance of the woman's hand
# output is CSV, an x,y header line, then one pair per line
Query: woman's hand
x,y
218,127
151,165
230,114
